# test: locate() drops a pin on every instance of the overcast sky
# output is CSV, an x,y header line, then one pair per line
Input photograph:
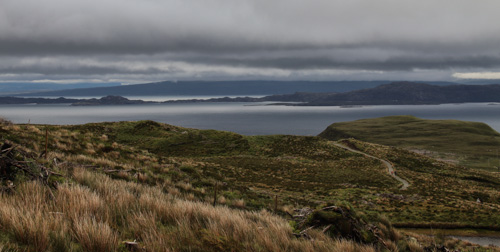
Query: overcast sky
x,y
135,41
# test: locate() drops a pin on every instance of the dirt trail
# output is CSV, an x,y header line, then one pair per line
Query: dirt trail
x,y
389,166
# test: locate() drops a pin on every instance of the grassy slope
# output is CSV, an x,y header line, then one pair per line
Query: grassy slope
x,y
270,163
96,213
439,192
303,171
114,192
472,144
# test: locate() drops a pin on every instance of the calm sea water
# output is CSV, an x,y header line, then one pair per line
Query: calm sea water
x,y
156,98
245,118
483,241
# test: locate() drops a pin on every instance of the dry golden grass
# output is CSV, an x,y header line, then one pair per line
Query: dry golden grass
x,y
104,137
184,186
75,201
344,245
74,135
189,197
98,161
36,147
239,203
97,213
201,190
64,132
100,146
123,175
90,151
221,200
451,243
414,246
142,177
28,216
173,191
56,134
94,236
62,146
13,127
28,228
5,122
33,129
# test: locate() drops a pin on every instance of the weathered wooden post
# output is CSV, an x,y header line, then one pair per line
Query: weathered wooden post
x,y
215,193
276,203
46,141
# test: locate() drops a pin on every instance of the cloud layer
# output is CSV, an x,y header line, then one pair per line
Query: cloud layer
x,y
149,40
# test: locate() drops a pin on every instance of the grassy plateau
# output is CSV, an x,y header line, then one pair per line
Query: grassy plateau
x,y
470,144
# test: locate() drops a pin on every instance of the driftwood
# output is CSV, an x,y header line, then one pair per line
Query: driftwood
x,y
90,166
8,187
304,234
326,228
14,162
117,170
336,221
133,246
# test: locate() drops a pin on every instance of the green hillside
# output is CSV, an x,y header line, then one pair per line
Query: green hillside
x,y
470,144
139,166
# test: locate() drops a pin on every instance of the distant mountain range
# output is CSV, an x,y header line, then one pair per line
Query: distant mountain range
x,y
397,93
220,88
11,88
107,100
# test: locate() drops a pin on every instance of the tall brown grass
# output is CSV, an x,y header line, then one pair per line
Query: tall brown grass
x,y
4,121
97,213
26,216
95,236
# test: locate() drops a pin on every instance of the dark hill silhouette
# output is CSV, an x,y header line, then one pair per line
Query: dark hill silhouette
x,y
399,93
219,88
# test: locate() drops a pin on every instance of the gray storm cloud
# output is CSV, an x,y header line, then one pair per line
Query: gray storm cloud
x,y
221,38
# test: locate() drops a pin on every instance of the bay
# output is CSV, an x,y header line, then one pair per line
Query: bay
x,y
245,118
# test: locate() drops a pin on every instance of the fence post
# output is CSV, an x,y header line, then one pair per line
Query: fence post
x,y
276,203
215,193
46,141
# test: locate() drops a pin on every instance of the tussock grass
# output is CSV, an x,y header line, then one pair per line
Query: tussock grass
x,y
76,201
33,129
184,186
414,246
27,217
344,245
239,203
96,213
94,236
5,122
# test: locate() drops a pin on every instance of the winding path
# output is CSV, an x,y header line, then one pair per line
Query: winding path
x,y
389,166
